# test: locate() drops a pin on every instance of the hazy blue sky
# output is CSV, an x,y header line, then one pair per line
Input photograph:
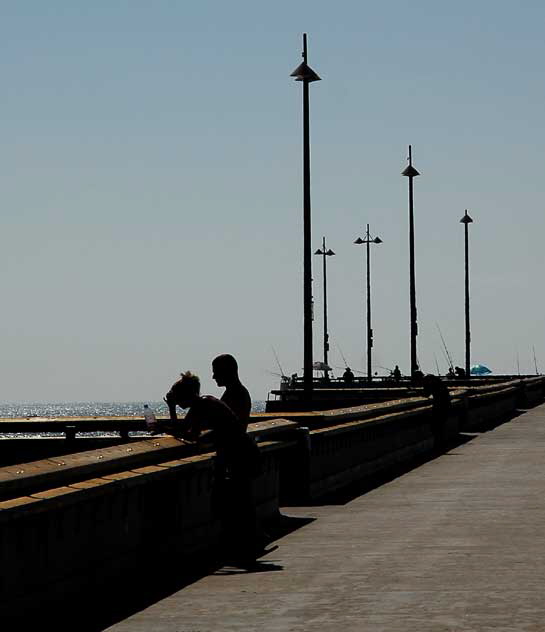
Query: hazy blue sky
x,y
150,163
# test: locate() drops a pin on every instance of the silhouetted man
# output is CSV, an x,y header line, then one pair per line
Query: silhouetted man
x,y
236,396
396,373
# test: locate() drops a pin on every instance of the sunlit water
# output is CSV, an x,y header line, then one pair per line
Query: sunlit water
x,y
89,409
86,410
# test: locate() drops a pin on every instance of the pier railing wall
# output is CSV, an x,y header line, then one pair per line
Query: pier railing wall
x,y
78,525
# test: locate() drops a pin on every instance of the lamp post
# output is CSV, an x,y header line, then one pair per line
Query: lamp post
x,y
304,73
368,241
411,173
466,220
325,253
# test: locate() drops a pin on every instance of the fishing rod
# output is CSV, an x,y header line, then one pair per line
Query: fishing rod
x,y
342,354
274,373
445,346
518,364
347,365
436,364
446,357
340,368
535,361
386,368
278,362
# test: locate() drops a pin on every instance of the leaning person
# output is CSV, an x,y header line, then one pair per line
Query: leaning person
x,y
434,387
236,463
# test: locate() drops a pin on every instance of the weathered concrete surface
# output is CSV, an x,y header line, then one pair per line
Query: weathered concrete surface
x,y
457,544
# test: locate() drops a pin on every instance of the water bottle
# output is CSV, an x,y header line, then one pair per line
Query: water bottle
x,y
151,420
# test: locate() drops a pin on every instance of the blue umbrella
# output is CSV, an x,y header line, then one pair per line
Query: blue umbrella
x,y
479,369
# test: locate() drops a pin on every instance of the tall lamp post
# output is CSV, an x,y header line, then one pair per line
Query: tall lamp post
x,y
304,73
325,253
368,241
466,220
411,173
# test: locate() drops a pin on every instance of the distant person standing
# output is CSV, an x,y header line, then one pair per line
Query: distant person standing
x,y
236,395
434,387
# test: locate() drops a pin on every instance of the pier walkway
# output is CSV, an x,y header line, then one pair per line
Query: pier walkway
x,y
456,544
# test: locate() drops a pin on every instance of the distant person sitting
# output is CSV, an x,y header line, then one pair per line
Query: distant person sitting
x,y
460,373
236,464
348,376
451,373
396,373
236,395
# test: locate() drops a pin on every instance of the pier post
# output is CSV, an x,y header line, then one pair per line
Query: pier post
x,y
466,220
305,74
368,241
324,252
411,173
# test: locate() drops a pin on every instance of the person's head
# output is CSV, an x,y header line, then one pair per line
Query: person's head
x,y
185,391
224,369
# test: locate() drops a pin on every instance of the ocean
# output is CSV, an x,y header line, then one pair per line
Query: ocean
x,y
24,410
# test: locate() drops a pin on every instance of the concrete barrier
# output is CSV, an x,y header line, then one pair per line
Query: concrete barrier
x,y
354,450
79,539
531,392
491,404
76,525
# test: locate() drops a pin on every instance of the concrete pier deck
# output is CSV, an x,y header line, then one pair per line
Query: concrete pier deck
x,y
457,544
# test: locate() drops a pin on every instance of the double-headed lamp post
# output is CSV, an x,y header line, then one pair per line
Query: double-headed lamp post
x,y
306,75
411,173
368,240
466,220
325,253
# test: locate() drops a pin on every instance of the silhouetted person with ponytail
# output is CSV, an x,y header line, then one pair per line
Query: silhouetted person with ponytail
x,y
236,464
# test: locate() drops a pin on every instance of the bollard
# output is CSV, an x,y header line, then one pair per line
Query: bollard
x,y
70,432
295,470
303,438
304,449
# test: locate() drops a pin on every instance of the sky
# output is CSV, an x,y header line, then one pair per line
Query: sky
x,y
151,186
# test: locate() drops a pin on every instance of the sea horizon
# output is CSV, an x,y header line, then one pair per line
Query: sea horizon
x,y
24,410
